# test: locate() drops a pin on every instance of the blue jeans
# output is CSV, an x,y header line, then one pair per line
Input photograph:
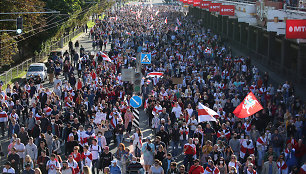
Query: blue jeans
x,y
260,157
119,138
174,145
137,152
277,151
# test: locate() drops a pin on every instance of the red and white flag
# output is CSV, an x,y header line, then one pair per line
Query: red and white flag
x,y
248,106
205,113
152,18
166,20
176,28
178,22
105,57
246,147
156,13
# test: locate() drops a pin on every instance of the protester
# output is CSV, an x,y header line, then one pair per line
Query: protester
x,y
84,118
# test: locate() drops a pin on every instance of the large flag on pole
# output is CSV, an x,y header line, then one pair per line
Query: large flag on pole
x,y
248,106
205,113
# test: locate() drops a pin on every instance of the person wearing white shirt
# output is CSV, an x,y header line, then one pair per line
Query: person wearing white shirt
x,y
137,142
31,150
193,125
8,169
52,165
177,110
95,149
20,149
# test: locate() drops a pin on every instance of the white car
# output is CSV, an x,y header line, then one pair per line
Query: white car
x,y
37,69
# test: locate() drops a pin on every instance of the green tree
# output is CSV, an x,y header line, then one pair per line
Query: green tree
x,y
8,49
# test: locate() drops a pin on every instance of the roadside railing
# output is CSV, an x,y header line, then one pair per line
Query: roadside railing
x,y
20,70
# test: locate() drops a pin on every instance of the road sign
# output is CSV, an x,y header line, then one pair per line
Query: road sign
x,y
135,101
145,58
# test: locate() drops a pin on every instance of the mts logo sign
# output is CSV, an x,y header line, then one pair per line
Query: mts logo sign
x,y
296,29
205,4
190,1
214,7
196,3
228,10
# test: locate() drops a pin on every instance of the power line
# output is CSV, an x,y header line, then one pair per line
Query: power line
x,y
44,29
44,26
33,12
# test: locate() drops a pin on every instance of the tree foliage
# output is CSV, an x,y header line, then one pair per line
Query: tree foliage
x,y
41,29
9,49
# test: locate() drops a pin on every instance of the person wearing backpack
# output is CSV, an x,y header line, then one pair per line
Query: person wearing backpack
x,y
96,150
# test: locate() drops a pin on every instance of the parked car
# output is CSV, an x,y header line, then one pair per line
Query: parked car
x,y
37,72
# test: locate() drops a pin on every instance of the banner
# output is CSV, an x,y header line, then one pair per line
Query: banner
x,y
296,29
196,3
228,10
206,114
214,7
248,106
205,4
190,2
185,1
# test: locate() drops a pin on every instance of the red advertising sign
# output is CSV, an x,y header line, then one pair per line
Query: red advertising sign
x,y
228,10
185,1
296,29
190,1
205,4
214,7
196,3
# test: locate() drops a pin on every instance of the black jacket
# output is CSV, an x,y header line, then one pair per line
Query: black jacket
x,y
105,160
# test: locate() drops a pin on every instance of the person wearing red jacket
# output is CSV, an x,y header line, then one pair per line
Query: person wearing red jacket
x,y
300,151
189,151
76,155
196,168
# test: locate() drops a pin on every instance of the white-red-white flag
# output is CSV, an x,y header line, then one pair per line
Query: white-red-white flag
x,y
205,113
156,13
106,57
176,28
166,20
152,18
178,22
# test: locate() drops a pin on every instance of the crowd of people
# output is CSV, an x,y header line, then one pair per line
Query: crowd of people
x,y
73,126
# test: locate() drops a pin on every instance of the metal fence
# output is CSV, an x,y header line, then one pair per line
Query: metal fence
x,y
19,70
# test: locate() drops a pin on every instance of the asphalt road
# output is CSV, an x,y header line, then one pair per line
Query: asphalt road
x,y
86,42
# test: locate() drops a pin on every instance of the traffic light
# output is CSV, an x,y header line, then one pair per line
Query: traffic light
x,y
19,25
137,82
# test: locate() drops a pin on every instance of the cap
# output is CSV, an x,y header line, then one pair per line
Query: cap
x,y
114,161
8,163
27,165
